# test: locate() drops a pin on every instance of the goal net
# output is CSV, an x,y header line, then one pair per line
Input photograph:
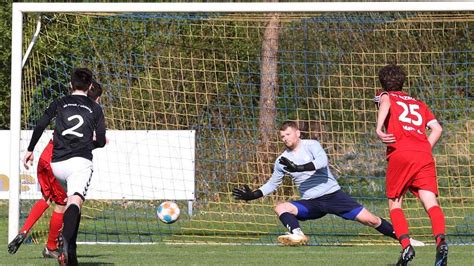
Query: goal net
x,y
193,101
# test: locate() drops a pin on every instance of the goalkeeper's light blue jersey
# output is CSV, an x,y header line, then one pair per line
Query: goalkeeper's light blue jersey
x,y
311,184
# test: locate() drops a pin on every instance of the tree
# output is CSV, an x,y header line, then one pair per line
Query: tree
x,y
268,91
5,59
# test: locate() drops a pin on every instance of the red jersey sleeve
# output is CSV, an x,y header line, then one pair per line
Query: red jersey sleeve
x,y
429,116
377,97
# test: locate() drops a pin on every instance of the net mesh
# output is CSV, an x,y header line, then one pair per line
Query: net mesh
x,y
209,72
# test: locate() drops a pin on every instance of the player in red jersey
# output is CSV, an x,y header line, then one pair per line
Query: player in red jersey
x,y
52,191
410,160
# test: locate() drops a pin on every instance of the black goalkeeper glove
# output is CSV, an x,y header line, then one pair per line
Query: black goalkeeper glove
x,y
292,167
246,193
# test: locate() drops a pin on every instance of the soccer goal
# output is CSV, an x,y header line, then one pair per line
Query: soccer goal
x,y
194,93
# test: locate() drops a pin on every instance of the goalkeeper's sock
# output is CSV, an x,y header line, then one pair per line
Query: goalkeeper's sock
x,y
289,221
297,231
70,221
35,213
437,221
400,225
55,224
386,228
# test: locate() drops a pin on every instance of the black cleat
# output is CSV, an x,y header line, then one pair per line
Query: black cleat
x,y
442,254
63,251
407,255
16,243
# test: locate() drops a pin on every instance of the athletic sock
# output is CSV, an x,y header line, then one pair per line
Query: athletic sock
x,y
74,237
437,222
35,213
70,220
386,228
55,224
289,221
297,231
400,225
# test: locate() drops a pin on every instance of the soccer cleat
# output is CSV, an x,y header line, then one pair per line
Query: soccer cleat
x,y
48,253
442,254
416,243
63,250
289,239
407,255
16,243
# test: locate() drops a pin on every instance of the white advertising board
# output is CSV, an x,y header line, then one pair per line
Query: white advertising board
x,y
134,165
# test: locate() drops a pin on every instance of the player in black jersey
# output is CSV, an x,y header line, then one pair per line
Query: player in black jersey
x,y
52,191
77,118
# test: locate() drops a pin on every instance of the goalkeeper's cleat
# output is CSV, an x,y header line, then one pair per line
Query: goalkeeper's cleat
x,y
50,253
63,250
289,239
407,255
416,243
16,242
442,254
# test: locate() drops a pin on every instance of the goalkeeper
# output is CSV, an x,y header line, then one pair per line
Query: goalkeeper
x,y
307,163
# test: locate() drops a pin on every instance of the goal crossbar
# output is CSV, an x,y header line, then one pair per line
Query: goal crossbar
x,y
244,7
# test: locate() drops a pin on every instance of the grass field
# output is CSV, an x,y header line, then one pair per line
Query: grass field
x,y
162,254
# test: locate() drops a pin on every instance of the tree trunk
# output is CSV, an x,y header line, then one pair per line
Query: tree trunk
x,y
268,93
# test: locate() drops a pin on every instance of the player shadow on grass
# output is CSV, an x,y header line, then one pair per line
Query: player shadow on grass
x,y
92,263
95,263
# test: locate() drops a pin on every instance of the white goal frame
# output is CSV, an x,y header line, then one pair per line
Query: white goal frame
x,y
18,9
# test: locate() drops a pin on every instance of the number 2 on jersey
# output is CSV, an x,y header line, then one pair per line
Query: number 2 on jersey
x,y
410,109
71,131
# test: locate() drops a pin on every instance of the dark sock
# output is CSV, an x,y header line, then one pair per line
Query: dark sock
x,y
386,228
70,220
289,221
74,237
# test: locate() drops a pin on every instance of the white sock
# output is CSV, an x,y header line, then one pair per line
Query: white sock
x,y
297,231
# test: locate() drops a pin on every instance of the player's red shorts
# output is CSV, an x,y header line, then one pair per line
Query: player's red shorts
x,y
50,187
410,170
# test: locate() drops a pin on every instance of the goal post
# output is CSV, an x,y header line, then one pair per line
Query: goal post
x,y
15,123
197,67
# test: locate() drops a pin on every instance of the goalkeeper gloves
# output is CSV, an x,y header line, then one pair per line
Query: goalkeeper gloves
x,y
292,167
246,193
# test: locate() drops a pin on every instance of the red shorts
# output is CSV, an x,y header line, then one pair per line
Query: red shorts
x,y
410,170
50,186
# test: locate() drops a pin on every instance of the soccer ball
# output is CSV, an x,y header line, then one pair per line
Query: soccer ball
x,y
168,212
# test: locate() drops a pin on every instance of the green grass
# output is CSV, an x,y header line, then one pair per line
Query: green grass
x,y
239,223
187,229
163,254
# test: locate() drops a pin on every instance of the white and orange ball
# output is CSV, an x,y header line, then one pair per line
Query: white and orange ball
x,y
168,212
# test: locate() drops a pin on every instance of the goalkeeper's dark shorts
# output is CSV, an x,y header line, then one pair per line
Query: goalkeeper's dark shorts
x,y
337,203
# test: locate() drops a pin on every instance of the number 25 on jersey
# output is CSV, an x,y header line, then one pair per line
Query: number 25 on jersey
x,y
410,109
